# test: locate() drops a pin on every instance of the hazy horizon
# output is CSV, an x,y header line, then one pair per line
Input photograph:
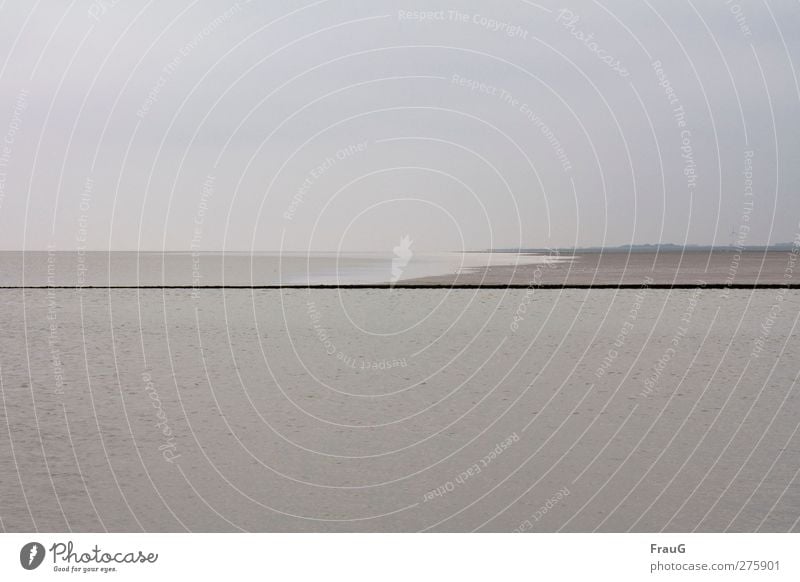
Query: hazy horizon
x,y
775,246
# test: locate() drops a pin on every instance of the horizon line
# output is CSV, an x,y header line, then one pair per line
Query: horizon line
x,y
671,247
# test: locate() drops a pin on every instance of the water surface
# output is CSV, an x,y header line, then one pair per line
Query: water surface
x,y
379,410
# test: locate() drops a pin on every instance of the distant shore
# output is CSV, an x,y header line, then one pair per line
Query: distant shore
x,y
524,268
595,269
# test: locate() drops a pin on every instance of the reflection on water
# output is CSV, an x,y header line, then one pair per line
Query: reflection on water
x,y
202,269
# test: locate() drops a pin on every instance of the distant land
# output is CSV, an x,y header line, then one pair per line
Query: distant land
x,y
651,248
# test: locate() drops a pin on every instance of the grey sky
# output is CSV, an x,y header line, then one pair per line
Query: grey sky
x,y
333,124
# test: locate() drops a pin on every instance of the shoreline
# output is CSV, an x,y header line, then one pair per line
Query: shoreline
x,y
596,270
746,269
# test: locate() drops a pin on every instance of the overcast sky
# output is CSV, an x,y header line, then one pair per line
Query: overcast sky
x,y
345,125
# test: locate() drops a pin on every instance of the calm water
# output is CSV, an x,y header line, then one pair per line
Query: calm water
x,y
198,269
402,410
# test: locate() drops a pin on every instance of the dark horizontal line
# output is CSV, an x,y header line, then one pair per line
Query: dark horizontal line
x,y
744,286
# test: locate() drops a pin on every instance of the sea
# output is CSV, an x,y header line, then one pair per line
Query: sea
x,y
438,409
73,268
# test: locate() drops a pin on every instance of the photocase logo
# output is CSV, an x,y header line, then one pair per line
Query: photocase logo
x,y
31,555
402,256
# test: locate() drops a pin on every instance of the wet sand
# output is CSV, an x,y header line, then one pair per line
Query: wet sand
x,y
638,268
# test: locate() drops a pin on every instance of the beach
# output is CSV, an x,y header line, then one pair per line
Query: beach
x,y
586,268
